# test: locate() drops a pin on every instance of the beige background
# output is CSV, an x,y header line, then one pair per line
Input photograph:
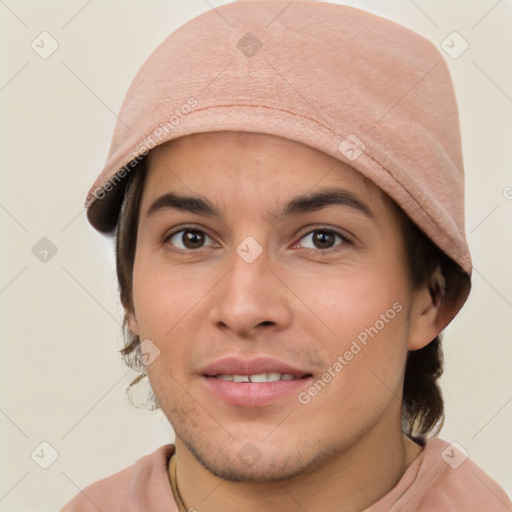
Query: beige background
x,y
62,380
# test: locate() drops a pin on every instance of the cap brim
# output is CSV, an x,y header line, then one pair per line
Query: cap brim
x,y
103,210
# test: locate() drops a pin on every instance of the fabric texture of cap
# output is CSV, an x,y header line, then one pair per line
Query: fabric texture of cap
x,y
352,84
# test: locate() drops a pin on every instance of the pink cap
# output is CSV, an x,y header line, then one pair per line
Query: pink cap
x,y
356,86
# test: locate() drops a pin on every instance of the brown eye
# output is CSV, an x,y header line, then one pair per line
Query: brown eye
x,y
324,239
188,239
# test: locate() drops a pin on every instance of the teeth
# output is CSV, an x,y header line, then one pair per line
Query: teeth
x,y
260,377
225,377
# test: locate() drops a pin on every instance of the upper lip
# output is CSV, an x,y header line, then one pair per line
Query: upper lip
x,y
237,366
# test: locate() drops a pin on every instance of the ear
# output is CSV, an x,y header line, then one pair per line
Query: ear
x,y
424,321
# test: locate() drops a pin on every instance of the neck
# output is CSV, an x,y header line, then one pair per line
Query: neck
x,y
357,477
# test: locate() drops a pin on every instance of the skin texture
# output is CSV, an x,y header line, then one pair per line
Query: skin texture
x,y
199,302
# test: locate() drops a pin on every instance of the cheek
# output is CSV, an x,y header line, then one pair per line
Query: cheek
x,y
162,297
344,303
362,330
364,374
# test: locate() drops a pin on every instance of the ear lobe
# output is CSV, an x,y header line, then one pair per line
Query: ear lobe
x,y
426,323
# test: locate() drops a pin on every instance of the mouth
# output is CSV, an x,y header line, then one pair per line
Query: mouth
x,y
253,382
256,390
258,369
260,377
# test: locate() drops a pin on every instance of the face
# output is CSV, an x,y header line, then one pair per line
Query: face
x,y
319,291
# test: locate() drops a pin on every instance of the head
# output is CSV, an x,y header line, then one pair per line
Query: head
x,y
358,278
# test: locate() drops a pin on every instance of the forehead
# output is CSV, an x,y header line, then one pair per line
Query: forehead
x,y
211,160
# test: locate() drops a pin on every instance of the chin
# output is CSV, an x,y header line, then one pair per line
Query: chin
x,y
243,461
238,467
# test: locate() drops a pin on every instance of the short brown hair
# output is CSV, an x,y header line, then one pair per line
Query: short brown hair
x,y
422,401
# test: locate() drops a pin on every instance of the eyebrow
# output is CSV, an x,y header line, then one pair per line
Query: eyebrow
x,y
295,206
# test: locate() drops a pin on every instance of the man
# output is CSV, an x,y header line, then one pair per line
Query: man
x,y
287,265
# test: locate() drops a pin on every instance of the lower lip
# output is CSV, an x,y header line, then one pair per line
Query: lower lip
x,y
254,394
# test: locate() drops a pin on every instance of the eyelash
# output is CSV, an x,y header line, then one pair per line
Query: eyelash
x,y
344,238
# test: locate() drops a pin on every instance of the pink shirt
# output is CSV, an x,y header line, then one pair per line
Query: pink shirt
x,y
432,483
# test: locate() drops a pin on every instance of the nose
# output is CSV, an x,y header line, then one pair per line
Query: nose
x,y
250,296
